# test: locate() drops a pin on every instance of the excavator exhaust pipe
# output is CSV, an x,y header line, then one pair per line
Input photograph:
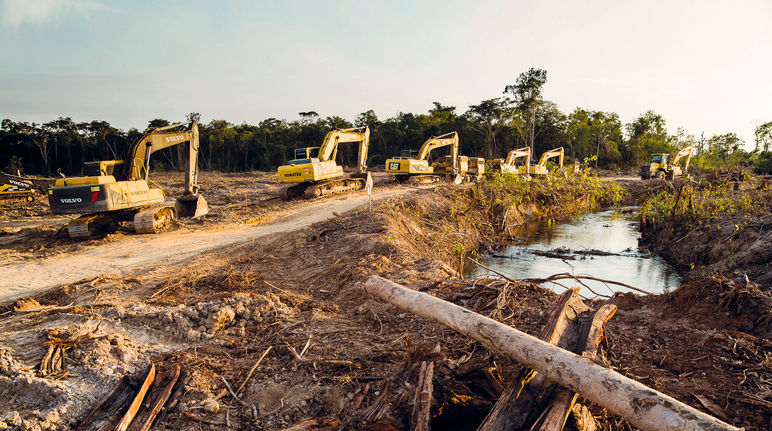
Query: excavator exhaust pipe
x,y
191,206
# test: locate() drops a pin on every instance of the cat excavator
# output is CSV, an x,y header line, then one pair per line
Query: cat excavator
x,y
115,191
314,172
416,170
541,167
507,166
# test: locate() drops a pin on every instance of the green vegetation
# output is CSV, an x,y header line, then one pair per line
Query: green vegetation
x,y
519,117
566,194
690,206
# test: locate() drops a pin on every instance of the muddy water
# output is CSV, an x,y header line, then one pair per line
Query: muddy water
x,y
578,247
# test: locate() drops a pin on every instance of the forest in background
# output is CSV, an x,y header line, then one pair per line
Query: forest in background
x,y
519,117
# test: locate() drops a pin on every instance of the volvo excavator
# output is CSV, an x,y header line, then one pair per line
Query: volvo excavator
x,y
315,173
416,170
508,166
115,191
17,186
541,167
659,166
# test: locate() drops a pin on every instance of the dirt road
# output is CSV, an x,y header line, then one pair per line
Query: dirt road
x,y
146,251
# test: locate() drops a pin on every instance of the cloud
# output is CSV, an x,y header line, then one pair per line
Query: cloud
x,y
15,12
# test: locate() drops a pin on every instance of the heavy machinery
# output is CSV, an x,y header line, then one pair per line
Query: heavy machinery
x,y
416,170
540,168
660,166
115,191
476,168
314,172
507,166
19,187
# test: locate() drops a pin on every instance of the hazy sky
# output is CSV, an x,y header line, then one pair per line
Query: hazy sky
x,y
703,65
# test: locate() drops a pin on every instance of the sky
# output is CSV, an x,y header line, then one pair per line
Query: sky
x,y
704,65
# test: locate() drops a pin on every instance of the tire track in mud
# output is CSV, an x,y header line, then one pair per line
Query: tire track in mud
x,y
144,252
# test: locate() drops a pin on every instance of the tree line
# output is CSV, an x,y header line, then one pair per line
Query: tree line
x,y
519,117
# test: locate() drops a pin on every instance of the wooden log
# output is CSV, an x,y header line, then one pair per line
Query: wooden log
x,y
624,397
155,399
422,402
123,425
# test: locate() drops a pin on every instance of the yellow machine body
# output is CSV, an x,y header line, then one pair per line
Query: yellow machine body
x,y
661,166
406,166
540,168
316,173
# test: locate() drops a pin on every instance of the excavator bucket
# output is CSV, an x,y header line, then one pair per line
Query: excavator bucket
x,y
191,206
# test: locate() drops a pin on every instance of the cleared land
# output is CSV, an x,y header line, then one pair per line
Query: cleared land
x,y
224,298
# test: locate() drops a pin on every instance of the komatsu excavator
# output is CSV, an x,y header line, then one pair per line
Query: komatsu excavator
x,y
541,167
507,166
416,170
115,191
659,166
314,172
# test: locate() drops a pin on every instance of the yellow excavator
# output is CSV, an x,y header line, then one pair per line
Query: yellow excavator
x,y
507,166
416,170
660,167
115,191
540,168
19,187
314,173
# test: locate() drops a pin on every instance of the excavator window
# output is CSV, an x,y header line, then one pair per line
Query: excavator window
x,y
656,158
306,153
299,161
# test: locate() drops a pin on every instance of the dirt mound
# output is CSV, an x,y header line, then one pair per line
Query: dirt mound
x,y
723,304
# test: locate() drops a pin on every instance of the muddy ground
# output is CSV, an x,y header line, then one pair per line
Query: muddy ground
x,y
337,352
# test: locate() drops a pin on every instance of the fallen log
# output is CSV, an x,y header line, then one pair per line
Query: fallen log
x,y
624,397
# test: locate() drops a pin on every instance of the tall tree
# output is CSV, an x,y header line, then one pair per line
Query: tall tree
x,y
526,99
763,135
488,118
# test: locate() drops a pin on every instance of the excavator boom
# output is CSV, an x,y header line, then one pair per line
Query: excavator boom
x,y
438,142
329,148
516,153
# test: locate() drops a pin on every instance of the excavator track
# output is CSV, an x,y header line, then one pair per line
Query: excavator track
x,y
332,187
84,226
152,220
422,180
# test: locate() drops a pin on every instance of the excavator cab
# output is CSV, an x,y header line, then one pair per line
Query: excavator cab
x,y
104,168
306,153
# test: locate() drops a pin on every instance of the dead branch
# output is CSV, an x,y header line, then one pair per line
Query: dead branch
x,y
422,401
252,370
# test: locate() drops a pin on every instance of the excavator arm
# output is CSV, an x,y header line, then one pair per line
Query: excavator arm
x,y
519,152
438,142
165,137
329,148
685,152
557,152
